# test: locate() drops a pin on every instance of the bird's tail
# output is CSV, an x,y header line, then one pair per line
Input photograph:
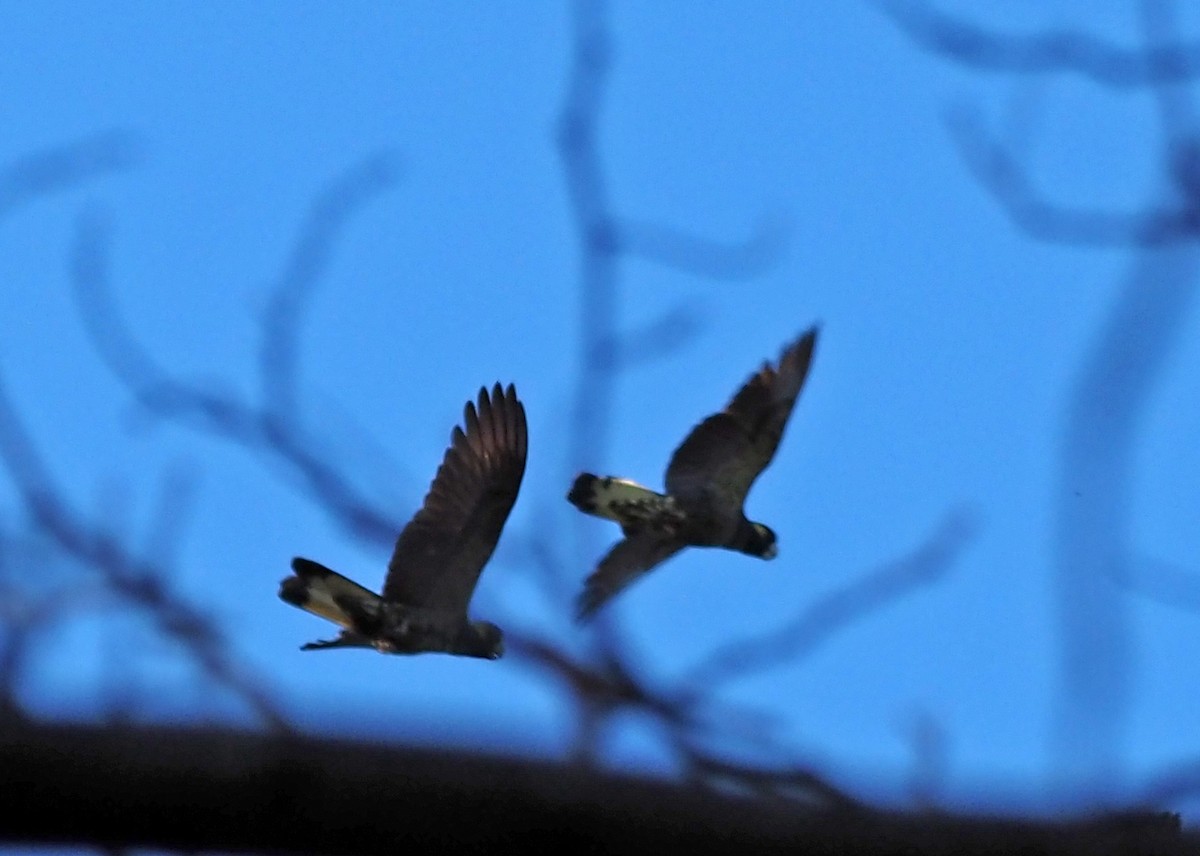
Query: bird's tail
x,y
324,592
617,499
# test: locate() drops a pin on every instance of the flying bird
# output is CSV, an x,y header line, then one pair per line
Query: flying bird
x,y
440,553
707,481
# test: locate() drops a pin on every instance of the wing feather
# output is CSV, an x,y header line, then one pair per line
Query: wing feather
x,y
723,455
629,559
442,551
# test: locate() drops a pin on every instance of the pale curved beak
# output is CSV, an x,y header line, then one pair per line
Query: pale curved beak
x,y
772,552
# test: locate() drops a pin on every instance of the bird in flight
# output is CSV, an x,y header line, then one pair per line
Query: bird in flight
x,y
440,553
707,481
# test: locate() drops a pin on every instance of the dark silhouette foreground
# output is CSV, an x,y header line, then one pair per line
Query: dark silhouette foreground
x,y
236,791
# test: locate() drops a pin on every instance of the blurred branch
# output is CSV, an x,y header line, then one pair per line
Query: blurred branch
x,y
279,368
137,582
929,745
606,236
591,206
1002,176
838,610
1163,582
603,685
1104,422
704,257
1109,398
176,497
796,785
1177,784
24,617
275,425
665,335
999,172
23,182
588,194
973,46
538,552
64,167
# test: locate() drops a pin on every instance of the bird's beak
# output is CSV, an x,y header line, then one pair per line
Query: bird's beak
x,y
772,552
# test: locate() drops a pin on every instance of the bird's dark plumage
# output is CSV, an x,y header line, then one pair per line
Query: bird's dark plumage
x,y
707,481
440,553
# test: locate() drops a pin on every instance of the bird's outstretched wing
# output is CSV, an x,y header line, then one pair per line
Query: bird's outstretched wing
x,y
441,552
629,559
723,455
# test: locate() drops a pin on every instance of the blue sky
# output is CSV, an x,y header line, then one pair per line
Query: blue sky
x,y
950,344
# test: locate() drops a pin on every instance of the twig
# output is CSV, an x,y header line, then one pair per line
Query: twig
x,y
971,45
131,578
260,427
837,610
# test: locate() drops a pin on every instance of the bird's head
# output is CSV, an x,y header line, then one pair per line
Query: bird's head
x,y
482,639
761,542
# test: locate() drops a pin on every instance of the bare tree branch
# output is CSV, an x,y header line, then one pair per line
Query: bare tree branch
x,y
929,745
261,427
279,367
587,190
1163,582
136,581
176,497
837,610
25,617
1105,414
603,683
62,168
971,45
539,552
998,171
1109,398
663,336
1002,176
1178,783
703,257
1095,481
796,785
606,236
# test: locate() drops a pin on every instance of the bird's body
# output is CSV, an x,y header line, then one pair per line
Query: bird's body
x,y
707,481
439,555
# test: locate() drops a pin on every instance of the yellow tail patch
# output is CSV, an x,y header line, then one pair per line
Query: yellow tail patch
x,y
624,501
